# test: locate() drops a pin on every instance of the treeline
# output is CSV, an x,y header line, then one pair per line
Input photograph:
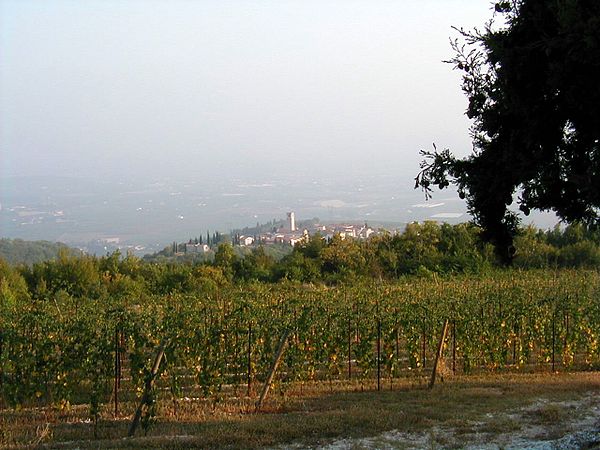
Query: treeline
x,y
573,246
18,251
429,247
423,249
176,253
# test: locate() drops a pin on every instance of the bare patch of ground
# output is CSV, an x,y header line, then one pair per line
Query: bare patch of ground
x,y
543,425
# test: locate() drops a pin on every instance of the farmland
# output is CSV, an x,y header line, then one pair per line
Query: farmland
x,y
92,358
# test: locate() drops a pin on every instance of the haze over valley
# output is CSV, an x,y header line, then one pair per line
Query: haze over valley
x,y
150,214
144,216
196,116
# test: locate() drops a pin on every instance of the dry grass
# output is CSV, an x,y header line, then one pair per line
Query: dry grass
x,y
321,414
547,414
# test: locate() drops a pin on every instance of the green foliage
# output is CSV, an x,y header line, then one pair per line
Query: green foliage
x,y
535,104
299,267
426,247
256,266
437,248
342,257
12,285
533,251
574,246
225,259
77,276
18,251
61,351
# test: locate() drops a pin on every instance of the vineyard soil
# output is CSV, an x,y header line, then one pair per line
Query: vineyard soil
x,y
489,411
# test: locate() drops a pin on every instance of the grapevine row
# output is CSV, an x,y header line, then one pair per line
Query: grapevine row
x,y
221,341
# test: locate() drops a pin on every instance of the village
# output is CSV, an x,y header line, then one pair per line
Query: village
x,y
290,233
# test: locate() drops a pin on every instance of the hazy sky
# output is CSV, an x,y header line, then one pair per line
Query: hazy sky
x,y
98,88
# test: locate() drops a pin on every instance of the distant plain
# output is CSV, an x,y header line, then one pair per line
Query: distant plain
x,y
152,213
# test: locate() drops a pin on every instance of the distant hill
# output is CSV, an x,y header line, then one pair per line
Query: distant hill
x,y
18,251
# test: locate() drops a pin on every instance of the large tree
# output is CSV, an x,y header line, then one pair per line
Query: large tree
x,y
532,78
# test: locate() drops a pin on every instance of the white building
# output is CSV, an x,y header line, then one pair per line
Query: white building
x,y
291,217
196,248
365,232
246,240
298,239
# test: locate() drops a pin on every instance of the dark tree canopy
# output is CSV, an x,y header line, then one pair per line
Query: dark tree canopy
x,y
533,86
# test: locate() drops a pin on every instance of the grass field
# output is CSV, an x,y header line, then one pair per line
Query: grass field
x,y
506,409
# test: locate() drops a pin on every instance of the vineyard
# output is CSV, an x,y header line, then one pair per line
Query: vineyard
x,y
220,344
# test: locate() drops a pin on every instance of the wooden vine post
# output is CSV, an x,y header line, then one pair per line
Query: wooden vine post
x,y
378,341
117,371
273,369
148,387
1,369
454,346
439,354
378,354
423,339
349,337
249,363
349,349
553,338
